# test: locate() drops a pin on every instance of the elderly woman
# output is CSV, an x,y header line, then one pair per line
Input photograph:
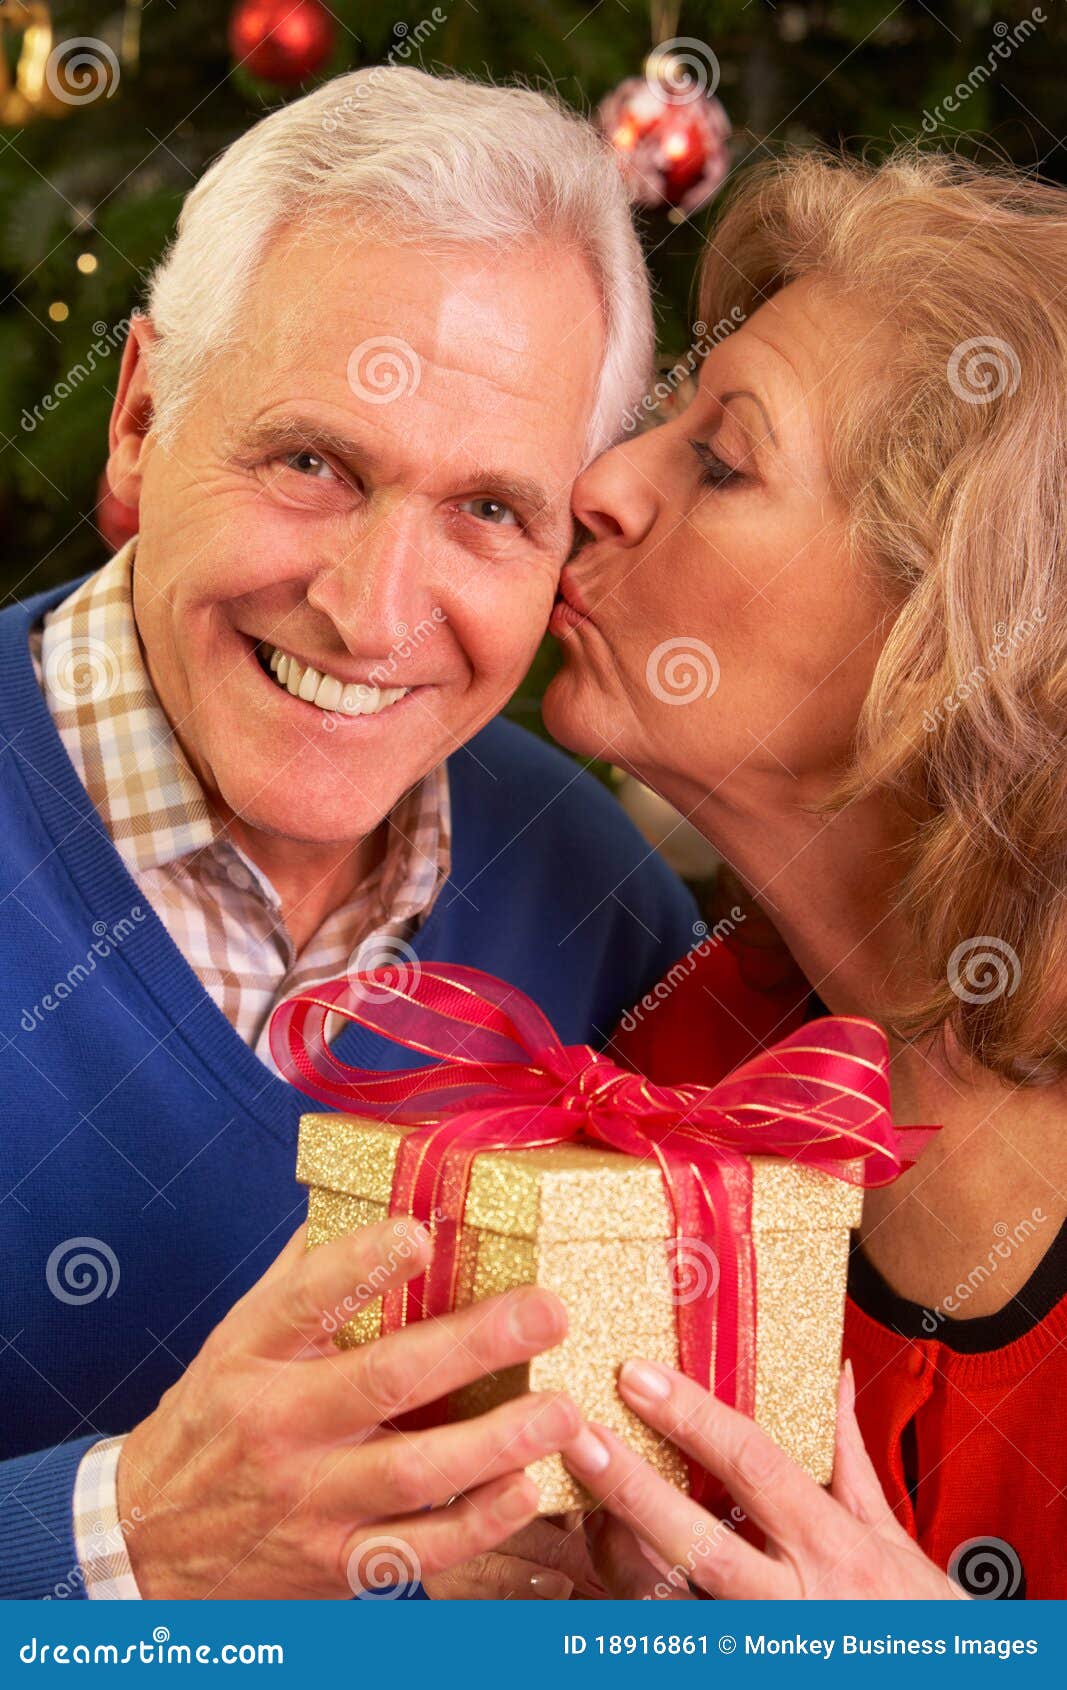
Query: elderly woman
x,y
855,536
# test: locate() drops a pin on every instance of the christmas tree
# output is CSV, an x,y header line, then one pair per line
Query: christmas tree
x,y
108,114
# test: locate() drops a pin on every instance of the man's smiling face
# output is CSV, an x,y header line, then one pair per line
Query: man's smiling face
x,y
376,483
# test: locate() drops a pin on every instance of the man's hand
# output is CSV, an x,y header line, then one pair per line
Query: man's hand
x,y
658,1543
268,1470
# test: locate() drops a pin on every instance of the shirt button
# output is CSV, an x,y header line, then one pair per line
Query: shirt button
x,y
916,1360
239,876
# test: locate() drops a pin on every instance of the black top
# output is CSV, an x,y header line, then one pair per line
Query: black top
x,y
1027,1309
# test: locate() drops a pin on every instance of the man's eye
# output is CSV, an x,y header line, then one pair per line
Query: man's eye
x,y
309,463
491,510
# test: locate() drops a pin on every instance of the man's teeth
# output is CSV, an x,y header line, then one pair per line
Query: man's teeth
x,y
314,687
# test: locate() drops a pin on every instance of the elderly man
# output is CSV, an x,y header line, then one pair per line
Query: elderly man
x,y
258,748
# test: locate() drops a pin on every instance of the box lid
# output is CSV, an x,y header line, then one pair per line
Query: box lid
x,y
571,1191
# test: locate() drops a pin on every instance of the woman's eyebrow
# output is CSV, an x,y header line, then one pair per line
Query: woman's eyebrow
x,y
746,393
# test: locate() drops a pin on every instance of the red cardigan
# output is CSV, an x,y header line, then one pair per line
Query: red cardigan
x,y
965,1426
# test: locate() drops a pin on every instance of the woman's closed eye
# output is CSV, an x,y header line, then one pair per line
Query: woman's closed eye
x,y
714,471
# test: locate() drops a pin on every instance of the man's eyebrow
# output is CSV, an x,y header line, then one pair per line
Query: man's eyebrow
x,y
526,493
280,432
548,524
520,490
746,393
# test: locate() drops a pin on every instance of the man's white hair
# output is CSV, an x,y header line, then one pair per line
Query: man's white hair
x,y
413,158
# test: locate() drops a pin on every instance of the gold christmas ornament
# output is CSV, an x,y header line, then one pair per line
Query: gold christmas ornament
x,y
54,76
27,95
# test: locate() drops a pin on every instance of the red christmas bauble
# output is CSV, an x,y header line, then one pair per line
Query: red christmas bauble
x,y
116,522
281,41
672,137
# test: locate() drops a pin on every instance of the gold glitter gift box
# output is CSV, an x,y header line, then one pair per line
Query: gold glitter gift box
x,y
592,1225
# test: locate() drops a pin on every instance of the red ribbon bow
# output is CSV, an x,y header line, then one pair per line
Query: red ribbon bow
x,y
504,1081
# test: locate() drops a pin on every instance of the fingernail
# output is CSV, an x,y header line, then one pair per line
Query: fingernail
x,y
643,1379
535,1319
557,1421
551,1587
587,1454
518,1502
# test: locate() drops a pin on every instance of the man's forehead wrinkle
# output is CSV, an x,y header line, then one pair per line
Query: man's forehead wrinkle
x,y
319,375
525,383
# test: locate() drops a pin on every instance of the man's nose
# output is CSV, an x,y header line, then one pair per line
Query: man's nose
x,y
381,588
616,498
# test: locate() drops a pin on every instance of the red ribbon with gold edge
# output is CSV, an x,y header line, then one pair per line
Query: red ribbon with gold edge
x,y
502,1080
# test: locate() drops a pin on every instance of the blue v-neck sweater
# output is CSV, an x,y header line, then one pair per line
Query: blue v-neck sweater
x,y
136,1118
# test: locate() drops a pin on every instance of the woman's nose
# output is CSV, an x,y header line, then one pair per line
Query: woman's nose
x,y
616,497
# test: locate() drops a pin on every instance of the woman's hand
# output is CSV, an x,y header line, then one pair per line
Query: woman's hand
x,y
548,1561
837,1544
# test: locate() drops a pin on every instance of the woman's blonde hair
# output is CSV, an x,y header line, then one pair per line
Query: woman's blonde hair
x,y
952,457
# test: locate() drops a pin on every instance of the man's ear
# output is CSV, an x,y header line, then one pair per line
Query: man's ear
x,y
131,414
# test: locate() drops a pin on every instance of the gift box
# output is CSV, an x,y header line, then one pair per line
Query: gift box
x,y
702,1226
595,1226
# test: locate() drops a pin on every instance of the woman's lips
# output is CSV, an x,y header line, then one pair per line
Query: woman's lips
x,y
571,594
570,609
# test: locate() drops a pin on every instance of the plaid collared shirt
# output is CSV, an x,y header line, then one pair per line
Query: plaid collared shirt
x,y
220,909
